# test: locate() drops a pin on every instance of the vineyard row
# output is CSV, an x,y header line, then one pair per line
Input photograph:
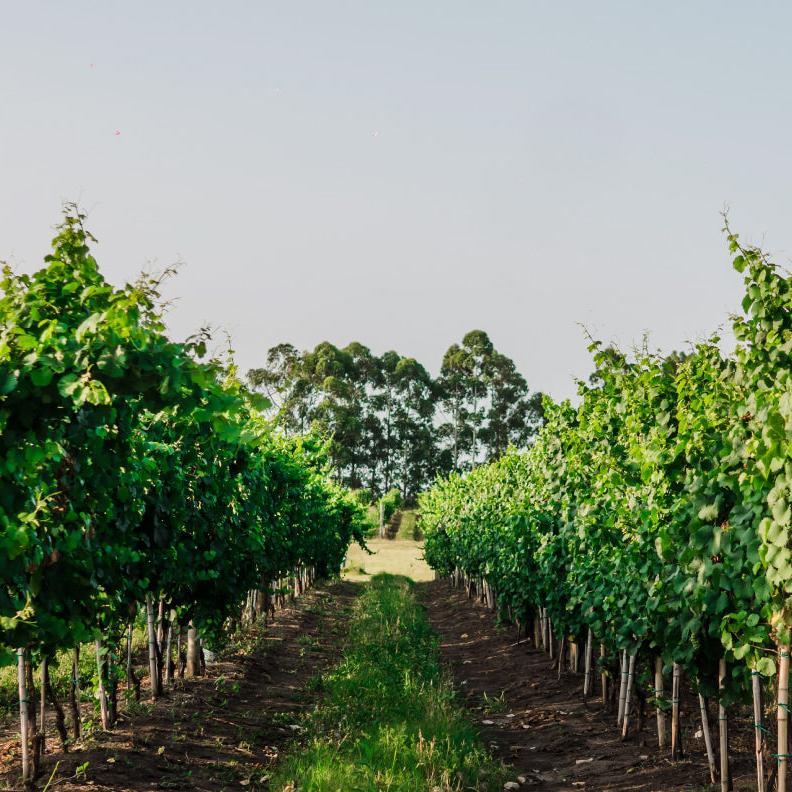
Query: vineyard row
x,y
651,521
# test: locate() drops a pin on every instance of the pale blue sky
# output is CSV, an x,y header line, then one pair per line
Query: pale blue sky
x,y
401,172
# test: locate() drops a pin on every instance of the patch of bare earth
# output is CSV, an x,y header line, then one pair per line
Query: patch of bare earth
x,y
540,726
223,731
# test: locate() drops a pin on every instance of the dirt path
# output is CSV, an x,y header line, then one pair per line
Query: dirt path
x,y
223,731
539,725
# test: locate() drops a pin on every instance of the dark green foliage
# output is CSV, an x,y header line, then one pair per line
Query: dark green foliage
x,y
129,467
390,423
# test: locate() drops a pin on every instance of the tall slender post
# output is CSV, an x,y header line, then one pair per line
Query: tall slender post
x,y
783,716
193,652
101,662
705,728
675,746
628,695
588,676
130,681
44,673
23,719
561,645
167,659
75,693
661,718
603,676
545,629
723,730
152,647
179,668
756,690
622,688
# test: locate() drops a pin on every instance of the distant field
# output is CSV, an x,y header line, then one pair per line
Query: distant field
x,y
396,556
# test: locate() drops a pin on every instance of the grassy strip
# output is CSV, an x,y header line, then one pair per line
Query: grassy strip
x,y
389,719
409,526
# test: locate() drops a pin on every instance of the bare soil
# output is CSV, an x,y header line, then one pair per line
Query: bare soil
x,y
541,727
220,732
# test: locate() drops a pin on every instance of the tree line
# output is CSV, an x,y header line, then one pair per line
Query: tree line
x,y
392,424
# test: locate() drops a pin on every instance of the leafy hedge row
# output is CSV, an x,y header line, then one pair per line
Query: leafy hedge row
x,y
129,468
657,512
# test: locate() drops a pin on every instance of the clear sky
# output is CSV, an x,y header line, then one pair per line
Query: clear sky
x,y
401,172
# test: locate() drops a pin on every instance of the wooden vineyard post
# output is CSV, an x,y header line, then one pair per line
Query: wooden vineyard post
x,y
167,658
101,662
783,716
27,781
130,681
44,672
603,676
152,648
545,629
756,690
705,729
179,669
74,694
675,747
588,677
723,729
661,718
622,688
550,637
561,645
627,696
193,652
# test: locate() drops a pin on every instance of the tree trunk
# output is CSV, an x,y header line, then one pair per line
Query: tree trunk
x,y
60,717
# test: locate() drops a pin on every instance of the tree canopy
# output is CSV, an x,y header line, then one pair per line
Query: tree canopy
x,y
391,423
